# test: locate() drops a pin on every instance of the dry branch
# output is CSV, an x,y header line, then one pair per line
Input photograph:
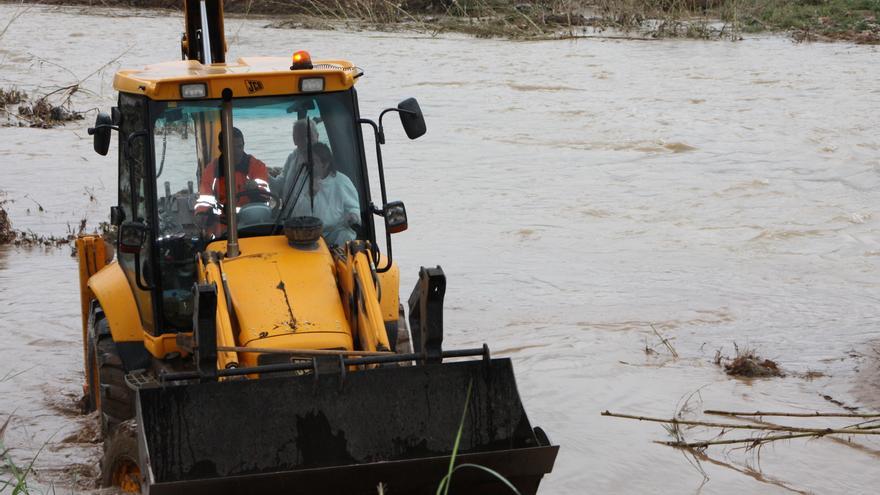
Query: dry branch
x,y
791,414
756,441
734,426
15,16
665,342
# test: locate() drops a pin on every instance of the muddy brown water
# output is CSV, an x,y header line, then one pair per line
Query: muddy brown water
x,y
575,193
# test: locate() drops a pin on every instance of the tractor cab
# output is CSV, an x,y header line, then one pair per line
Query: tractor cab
x,y
294,135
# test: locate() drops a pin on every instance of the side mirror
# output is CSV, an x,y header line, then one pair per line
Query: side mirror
x,y
395,217
117,215
101,131
411,118
132,236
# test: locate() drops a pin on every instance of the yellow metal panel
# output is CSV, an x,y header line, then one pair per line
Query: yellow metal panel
x,y
371,327
259,76
212,274
355,269
390,283
161,345
91,257
281,291
113,292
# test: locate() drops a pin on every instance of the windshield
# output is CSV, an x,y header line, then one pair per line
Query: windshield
x,y
293,156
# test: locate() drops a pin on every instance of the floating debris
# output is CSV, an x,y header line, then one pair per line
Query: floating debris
x,y
40,112
6,233
11,96
748,364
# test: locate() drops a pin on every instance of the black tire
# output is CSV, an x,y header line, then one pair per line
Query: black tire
x,y
119,465
114,399
89,402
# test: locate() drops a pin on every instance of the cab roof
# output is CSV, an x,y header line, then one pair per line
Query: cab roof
x,y
250,76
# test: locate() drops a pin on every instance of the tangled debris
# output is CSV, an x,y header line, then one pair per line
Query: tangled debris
x,y
11,236
11,96
6,233
747,364
46,111
752,366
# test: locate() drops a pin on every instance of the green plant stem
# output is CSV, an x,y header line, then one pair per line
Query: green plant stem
x,y
447,480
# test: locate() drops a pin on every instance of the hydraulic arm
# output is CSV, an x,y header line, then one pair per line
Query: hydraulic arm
x,y
203,38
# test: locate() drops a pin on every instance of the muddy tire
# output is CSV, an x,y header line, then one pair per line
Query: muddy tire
x,y
119,466
114,399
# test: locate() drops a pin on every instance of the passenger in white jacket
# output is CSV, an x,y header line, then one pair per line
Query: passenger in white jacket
x,y
284,181
335,201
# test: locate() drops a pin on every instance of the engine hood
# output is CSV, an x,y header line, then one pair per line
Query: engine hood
x,y
284,297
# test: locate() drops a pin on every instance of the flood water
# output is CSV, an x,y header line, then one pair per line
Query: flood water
x,y
575,193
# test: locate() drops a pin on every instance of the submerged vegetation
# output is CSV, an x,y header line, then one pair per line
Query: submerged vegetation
x,y
804,20
7,234
15,237
44,111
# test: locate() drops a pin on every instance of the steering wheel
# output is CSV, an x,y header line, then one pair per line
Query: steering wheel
x,y
257,214
275,201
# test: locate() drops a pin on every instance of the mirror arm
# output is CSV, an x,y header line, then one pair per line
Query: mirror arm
x,y
381,115
376,131
382,127
92,130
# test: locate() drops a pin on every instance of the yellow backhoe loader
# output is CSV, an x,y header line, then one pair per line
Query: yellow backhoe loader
x,y
243,333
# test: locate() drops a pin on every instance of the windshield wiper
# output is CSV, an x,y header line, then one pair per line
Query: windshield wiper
x,y
286,204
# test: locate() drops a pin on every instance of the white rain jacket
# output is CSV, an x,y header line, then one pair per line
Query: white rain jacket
x,y
334,199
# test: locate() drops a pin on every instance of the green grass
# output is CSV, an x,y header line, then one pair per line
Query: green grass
x,y
823,16
446,482
18,476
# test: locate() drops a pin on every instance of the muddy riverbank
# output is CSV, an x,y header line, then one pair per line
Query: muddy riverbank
x,y
721,192
802,20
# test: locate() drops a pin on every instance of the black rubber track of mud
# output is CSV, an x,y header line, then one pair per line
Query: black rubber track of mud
x,y
117,400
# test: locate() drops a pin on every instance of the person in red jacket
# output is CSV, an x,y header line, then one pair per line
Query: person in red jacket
x,y
251,182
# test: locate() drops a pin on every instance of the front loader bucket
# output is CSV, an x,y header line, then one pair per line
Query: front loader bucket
x,y
342,433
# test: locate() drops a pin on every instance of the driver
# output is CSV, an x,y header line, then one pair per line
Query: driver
x,y
251,181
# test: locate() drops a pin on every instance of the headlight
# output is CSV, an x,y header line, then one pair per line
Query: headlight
x,y
311,84
197,90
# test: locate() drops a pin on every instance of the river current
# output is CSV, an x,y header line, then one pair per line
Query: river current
x,y
576,193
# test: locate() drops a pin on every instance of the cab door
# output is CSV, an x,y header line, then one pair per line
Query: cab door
x,y
133,193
